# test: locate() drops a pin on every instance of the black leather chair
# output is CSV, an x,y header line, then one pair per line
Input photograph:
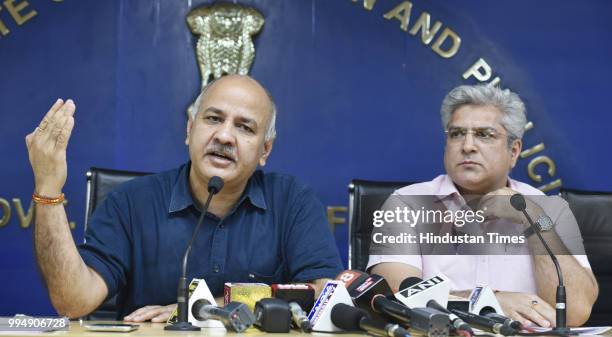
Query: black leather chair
x,y
593,212
360,231
100,182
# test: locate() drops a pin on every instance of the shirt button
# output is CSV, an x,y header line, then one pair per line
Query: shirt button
x,y
216,268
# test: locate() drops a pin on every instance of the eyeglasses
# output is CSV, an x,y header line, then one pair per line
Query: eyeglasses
x,y
485,135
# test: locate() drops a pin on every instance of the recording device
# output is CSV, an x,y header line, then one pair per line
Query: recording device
x,y
300,298
350,318
215,184
247,293
518,202
369,293
273,315
235,316
302,294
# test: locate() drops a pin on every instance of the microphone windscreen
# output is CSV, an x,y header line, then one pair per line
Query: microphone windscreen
x,y
435,305
215,184
518,202
409,282
346,317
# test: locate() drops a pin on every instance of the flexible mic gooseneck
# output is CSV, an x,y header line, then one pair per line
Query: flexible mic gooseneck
x,y
215,184
518,202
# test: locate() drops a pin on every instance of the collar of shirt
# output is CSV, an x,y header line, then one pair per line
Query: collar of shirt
x,y
182,198
447,191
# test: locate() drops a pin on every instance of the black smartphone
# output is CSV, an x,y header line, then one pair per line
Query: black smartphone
x,y
111,327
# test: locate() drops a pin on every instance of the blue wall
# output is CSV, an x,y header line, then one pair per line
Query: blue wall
x,y
358,97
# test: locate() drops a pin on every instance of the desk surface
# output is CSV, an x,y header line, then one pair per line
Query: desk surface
x,y
157,329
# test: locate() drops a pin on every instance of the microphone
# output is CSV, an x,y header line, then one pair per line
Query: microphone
x,y
518,202
416,295
215,184
352,319
333,292
483,300
350,278
273,315
369,293
457,323
300,319
235,316
300,297
197,290
363,289
504,320
485,323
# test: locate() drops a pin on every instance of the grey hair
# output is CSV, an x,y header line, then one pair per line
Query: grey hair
x,y
509,103
270,133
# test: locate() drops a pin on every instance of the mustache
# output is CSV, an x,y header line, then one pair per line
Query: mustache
x,y
224,150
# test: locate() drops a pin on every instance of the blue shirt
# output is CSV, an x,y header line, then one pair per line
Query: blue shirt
x,y
276,233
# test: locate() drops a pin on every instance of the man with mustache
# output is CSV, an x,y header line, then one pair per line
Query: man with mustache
x,y
484,126
261,227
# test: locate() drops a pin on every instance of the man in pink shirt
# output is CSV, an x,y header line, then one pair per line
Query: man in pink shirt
x,y
484,126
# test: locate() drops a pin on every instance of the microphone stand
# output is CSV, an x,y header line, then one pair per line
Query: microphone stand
x,y
214,186
518,202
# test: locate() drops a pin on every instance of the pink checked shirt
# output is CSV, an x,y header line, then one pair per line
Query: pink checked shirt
x,y
501,272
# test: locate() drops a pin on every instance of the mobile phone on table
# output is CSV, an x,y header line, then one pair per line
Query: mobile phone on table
x,y
111,327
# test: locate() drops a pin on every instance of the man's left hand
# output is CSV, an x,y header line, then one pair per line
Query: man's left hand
x,y
527,308
155,313
496,205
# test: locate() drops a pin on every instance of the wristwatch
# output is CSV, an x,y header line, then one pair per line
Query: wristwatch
x,y
543,224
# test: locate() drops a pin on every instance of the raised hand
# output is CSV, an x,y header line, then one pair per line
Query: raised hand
x,y
47,148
